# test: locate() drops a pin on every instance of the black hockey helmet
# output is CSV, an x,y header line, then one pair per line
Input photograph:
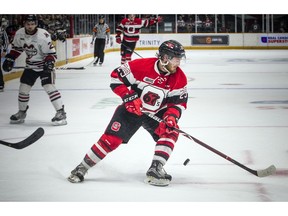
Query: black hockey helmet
x,y
30,17
101,17
172,48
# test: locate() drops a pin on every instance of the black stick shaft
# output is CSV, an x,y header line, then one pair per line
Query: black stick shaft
x,y
57,68
132,51
254,172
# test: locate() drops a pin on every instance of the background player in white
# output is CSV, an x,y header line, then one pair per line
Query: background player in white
x,y
155,85
4,42
40,60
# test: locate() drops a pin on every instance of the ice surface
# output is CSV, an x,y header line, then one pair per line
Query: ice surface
x,y
238,104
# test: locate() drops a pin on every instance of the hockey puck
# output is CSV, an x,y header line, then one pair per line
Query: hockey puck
x,y
186,161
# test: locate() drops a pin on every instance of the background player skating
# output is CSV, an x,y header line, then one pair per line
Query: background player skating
x,y
155,85
130,28
40,60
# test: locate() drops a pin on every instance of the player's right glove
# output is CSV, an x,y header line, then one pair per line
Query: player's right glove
x,y
8,63
118,39
159,19
49,64
133,103
166,126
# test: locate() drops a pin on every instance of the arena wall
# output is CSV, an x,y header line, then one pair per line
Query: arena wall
x,y
75,49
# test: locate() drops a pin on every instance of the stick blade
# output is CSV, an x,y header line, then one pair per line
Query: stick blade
x,y
70,68
36,135
266,172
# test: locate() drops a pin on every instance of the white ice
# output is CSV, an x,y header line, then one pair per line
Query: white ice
x,y
238,104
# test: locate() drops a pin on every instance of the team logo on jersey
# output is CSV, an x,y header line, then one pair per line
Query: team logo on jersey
x,y
131,29
30,50
151,98
115,126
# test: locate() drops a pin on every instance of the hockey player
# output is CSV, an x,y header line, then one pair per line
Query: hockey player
x,y
40,60
101,32
155,85
130,28
4,42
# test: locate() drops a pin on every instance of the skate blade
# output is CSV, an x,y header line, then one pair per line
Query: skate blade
x,y
21,121
157,182
74,179
59,123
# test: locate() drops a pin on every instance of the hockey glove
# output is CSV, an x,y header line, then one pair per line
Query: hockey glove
x,y
167,125
48,65
8,63
133,103
118,39
158,19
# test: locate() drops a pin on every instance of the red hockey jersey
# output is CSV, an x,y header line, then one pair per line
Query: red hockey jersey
x,y
131,29
155,89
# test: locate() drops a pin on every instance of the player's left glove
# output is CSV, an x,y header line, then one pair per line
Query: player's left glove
x,y
118,39
8,63
133,103
166,126
49,64
158,19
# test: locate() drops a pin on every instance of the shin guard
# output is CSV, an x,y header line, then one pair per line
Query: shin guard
x,y
99,150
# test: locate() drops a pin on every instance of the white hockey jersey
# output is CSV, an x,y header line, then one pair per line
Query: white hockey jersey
x,y
37,47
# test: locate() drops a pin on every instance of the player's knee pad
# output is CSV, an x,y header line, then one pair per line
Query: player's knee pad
x,y
49,88
48,78
109,142
173,135
128,54
24,89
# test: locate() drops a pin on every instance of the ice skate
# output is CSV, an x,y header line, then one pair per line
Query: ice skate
x,y
77,175
157,176
59,118
1,88
19,117
100,64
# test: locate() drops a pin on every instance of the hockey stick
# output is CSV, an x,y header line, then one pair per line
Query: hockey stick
x,y
70,68
90,63
57,68
128,48
260,173
26,142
